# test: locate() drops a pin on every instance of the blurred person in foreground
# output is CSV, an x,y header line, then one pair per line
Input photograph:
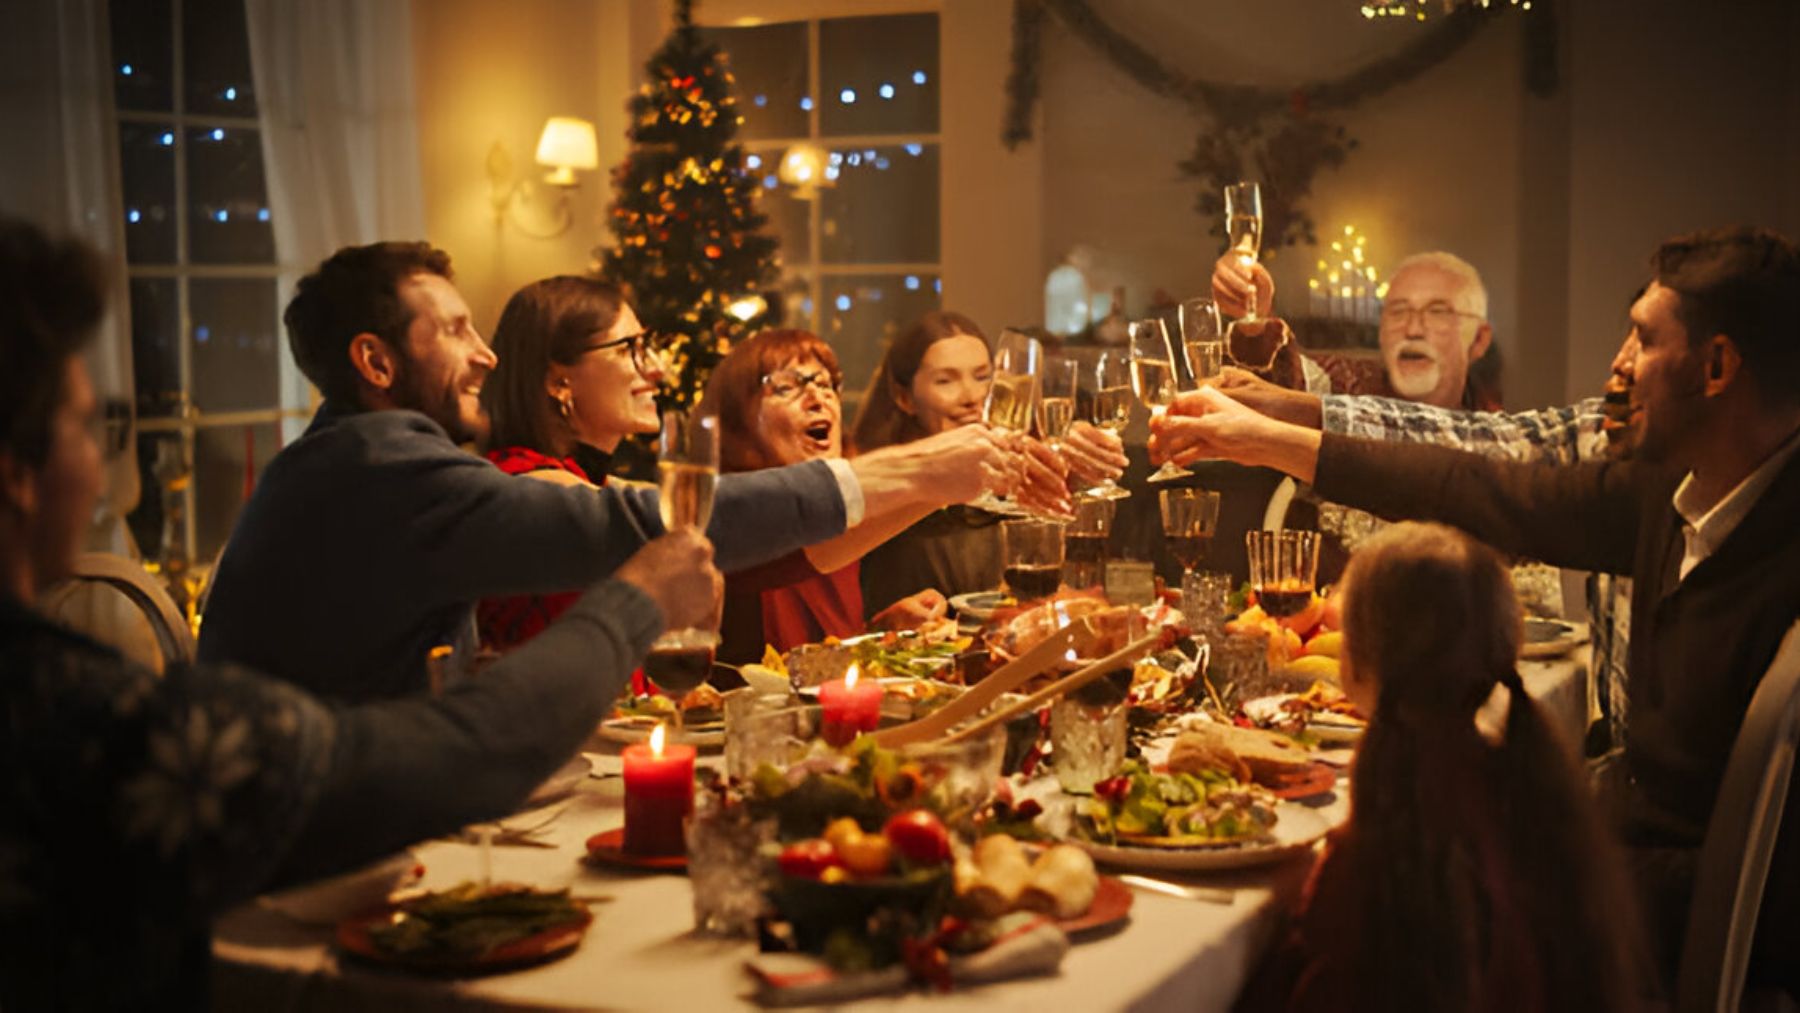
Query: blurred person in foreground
x,y
935,377
1464,842
368,541
137,807
1701,519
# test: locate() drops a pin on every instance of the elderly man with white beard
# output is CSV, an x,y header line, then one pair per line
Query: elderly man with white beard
x,y
1433,326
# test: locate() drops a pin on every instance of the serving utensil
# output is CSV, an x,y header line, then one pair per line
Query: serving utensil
x,y
1066,684
1002,680
1208,894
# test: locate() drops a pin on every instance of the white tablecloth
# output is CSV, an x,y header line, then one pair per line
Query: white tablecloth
x,y
642,954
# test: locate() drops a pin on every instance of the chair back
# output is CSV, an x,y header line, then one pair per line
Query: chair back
x,y
173,637
1740,841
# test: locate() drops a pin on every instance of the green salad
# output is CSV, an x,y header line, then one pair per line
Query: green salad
x,y
1181,810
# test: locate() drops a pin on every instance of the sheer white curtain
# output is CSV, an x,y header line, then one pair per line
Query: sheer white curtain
x,y
334,82
61,172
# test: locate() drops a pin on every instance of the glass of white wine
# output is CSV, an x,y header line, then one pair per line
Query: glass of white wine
x,y
1056,400
1012,398
1203,339
1154,378
687,469
1243,230
1110,409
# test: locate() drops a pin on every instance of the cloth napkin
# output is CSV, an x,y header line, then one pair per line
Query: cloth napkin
x,y
800,979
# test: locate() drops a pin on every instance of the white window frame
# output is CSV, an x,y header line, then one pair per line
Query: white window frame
x,y
295,399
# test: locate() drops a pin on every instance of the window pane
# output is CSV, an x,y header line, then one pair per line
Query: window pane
x,y
224,456
768,63
155,356
797,309
215,58
143,53
789,216
228,206
884,208
862,313
236,353
157,522
879,75
147,157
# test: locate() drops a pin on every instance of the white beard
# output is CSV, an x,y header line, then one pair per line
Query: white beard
x,y
1415,380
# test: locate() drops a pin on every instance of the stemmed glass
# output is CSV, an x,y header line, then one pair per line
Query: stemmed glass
x,y
1189,518
1203,339
1110,409
1154,378
1056,400
1012,398
1243,230
1283,567
687,469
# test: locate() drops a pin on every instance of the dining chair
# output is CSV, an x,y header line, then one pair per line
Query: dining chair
x,y
174,639
1740,841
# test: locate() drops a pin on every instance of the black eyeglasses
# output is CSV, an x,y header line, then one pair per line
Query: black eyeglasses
x,y
646,349
1438,315
790,384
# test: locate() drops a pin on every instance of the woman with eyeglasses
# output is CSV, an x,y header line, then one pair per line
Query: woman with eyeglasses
x,y
777,399
577,374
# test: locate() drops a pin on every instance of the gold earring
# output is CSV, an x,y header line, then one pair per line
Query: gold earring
x,y
565,403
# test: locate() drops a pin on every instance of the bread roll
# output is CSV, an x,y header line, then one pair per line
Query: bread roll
x,y
1245,753
1004,871
1063,883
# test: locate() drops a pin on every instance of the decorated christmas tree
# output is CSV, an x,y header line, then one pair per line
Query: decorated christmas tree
x,y
688,238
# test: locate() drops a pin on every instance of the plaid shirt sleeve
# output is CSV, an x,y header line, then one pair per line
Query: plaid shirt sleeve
x,y
1559,435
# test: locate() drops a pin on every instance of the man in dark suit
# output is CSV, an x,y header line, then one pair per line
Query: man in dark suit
x,y
1703,521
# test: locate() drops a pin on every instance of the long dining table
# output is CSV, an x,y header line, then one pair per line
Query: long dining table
x,y
642,952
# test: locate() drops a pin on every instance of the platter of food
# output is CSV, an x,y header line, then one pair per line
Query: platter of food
x,y
1550,638
702,718
468,929
1296,829
1321,713
980,606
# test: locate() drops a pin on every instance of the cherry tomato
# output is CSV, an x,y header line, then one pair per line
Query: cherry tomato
x,y
919,836
809,859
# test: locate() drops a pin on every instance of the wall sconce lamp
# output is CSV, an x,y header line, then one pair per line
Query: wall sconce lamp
x,y
803,168
567,144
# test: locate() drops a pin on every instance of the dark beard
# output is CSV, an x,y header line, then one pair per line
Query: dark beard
x,y
411,393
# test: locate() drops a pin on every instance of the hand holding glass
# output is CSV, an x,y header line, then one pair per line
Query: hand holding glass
x,y
1110,409
1154,378
687,469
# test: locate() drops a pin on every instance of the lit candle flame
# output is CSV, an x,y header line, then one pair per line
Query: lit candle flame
x,y
854,673
656,740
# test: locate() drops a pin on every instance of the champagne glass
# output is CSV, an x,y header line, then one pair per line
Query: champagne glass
x,y
1012,398
1110,409
1283,567
1153,377
1056,400
1243,230
687,469
1189,518
1203,339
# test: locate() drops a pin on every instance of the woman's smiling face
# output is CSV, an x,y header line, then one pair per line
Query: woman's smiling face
x,y
798,414
951,385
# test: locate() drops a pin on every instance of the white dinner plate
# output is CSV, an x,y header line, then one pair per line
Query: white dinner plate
x,y
1328,729
629,731
980,605
1296,829
1550,638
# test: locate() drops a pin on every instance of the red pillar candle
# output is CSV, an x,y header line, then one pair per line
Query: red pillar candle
x,y
852,705
659,796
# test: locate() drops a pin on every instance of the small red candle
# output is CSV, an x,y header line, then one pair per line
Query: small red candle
x,y
659,796
851,707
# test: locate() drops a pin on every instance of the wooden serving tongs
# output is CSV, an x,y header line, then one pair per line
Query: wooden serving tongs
x,y
1001,680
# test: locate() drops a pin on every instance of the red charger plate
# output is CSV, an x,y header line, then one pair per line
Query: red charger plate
x,y
608,848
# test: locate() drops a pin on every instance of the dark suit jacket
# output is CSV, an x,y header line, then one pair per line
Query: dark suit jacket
x,y
1699,646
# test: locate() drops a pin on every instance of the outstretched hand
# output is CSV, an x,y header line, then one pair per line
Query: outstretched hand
x,y
1207,423
1231,280
1093,454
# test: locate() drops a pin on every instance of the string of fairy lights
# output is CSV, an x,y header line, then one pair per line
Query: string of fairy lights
x,y
1420,10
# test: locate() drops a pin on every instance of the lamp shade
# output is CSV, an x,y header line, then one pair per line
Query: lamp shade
x,y
568,143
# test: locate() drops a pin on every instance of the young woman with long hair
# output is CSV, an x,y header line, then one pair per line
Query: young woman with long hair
x,y
1474,873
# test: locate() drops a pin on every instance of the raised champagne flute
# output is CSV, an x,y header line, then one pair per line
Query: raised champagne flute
x,y
687,469
1243,230
1011,406
1110,409
1154,378
1203,340
1189,518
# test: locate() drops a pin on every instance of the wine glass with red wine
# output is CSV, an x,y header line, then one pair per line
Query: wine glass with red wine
x,y
1032,553
687,469
1283,567
1189,518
